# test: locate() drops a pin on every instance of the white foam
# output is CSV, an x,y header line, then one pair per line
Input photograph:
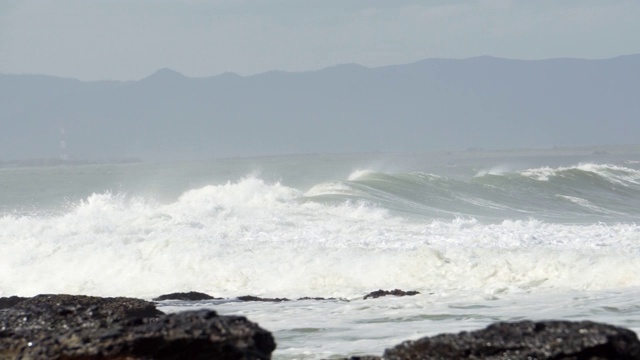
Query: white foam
x,y
617,174
540,174
614,173
334,188
359,173
495,170
251,237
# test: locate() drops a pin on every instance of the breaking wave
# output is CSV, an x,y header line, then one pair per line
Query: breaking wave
x,y
492,233
581,193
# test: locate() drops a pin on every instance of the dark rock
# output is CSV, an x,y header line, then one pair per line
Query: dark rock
x,y
7,302
365,357
91,329
526,340
122,307
396,292
255,298
322,299
315,298
189,296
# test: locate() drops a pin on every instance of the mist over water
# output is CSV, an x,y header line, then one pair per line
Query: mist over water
x,y
472,229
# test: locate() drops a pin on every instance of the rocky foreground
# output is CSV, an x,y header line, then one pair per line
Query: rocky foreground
x,y
84,327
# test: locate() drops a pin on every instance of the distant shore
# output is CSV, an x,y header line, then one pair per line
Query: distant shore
x,y
60,162
591,150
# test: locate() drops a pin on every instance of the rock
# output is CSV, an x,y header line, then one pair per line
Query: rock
x,y
314,298
255,298
189,296
526,340
7,302
319,298
88,328
122,307
396,292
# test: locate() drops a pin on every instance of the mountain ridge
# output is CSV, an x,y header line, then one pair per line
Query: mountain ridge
x,y
227,73
432,104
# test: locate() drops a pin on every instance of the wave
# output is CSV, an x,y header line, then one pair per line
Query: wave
x,y
611,173
581,193
254,237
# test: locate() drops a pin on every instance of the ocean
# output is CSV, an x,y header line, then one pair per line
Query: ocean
x,y
484,236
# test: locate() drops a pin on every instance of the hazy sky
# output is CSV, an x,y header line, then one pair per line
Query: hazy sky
x,y
130,39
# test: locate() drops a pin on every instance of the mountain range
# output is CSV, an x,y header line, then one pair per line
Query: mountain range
x,y
434,104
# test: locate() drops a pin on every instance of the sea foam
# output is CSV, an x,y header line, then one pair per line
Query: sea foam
x,y
253,237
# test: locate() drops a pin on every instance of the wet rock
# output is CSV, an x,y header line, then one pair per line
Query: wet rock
x,y
396,292
98,328
315,298
7,302
121,307
255,298
188,296
526,340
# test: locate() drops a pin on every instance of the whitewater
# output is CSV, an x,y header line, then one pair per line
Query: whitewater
x,y
482,235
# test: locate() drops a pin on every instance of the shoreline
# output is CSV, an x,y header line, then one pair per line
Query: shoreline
x,y
88,327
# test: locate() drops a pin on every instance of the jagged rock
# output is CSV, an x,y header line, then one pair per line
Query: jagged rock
x,y
7,302
100,328
526,340
322,299
122,307
315,298
255,298
188,296
396,292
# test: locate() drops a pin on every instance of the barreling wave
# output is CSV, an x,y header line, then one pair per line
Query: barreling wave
x,y
586,192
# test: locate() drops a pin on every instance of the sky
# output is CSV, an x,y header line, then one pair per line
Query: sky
x,y
131,39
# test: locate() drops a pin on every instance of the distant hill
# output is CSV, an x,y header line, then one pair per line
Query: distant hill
x,y
434,104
